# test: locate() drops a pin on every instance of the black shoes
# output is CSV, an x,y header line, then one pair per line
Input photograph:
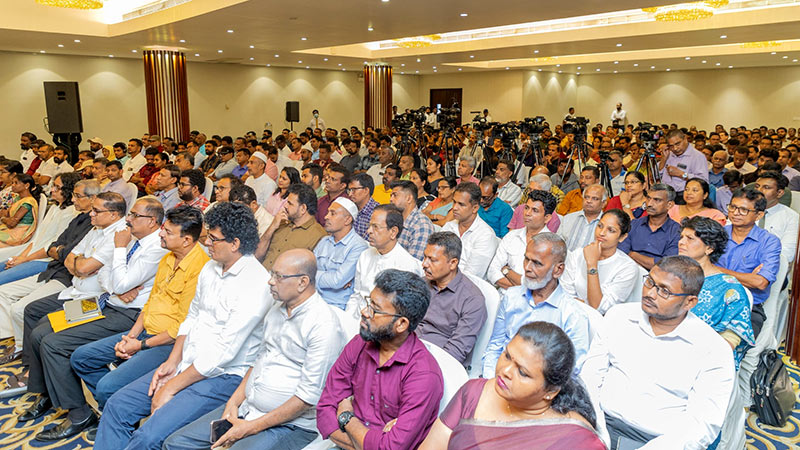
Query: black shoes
x,y
67,429
38,409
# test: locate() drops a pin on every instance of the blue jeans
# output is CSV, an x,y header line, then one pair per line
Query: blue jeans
x,y
90,363
195,436
131,404
21,271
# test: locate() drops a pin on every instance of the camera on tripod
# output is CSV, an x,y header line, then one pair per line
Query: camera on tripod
x,y
649,134
604,156
533,125
507,133
576,126
406,121
449,116
480,123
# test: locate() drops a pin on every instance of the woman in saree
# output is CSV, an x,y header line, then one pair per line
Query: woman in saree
x,y
438,210
18,223
533,402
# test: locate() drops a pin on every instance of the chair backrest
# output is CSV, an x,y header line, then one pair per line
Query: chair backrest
x,y
130,199
638,284
209,188
348,322
42,208
492,299
595,319
453,373
774,304
795,204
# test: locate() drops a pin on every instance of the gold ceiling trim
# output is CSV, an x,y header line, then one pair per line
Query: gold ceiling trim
x,y
73,4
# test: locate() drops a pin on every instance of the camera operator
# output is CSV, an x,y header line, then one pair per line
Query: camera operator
x,y
486,117
473,148
570,116
679,162
430,118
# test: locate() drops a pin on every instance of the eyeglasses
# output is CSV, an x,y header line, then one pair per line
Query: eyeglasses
x,y
661,291
740,210
98,211
213,239
56,188
371,311
350,190
185,184
77,195
136,215
281,277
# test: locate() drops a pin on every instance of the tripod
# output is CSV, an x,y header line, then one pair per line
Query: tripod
x,y
649,163
605,175
580,147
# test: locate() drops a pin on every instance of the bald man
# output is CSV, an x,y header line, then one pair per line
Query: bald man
x,y
577,228
717,168
302,338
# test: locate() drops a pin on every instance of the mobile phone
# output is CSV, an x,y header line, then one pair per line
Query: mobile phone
x,y
219,428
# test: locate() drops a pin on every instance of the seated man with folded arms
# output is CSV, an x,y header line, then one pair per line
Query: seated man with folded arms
x,y
149,341
478,241
216,344
384,389
539,298
273,407
655,235
121,287
661,375
506,268
457,309
337,253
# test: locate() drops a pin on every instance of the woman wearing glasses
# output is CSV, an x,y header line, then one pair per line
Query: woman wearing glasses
x,y
723,302
632,199
439,209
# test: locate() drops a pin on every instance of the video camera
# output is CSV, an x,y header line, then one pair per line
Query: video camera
x,y
533,125
648,132
507,133
406,121
576,126
449,116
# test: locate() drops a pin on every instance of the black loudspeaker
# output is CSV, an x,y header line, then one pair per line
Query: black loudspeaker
x,y
63,107
293,111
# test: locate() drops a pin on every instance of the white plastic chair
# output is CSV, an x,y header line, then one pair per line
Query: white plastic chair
x,y
492,299
795,204
638,285
209,188
42,208
348,322
130,197
733,436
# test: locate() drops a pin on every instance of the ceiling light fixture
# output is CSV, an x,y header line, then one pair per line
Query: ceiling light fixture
x,y
340,64
324,59
717,64
219,51
60,45
540,70
73,4
579,67
369,28
277,55
459,69
251,58
252,46
42,51
507,68
269,65
785,57
615,71
419,60
668,70
471,56
597,70
197,54
303,38
464,14
652,67
616,62
110,56
536,51
299,62
636,65
724,36
230,31
77,41
704,61
730,67
182,41
418,41
133,51
685,11
619,45
401,65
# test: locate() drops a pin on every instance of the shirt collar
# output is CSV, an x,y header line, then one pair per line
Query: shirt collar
x,y
453,285
190,257
346,240
646,223
114,227
305,225
554,299
235,269
401,356
644,324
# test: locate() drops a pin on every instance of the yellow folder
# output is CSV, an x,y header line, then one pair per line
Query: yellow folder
x,y
59,321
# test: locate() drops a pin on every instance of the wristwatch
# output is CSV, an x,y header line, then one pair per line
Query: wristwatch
x,y
626,206
505,271
591,272
685,175
144,344
344,419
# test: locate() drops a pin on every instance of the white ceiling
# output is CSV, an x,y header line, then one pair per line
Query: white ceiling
x,y
275,27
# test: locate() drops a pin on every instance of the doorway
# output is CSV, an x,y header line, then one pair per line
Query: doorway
x,y
445,98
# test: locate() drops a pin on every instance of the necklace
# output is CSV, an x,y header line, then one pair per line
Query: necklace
x,y
508,407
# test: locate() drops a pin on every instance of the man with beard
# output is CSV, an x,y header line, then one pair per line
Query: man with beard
x,y
661,375
352,411
51,167
540,298
352,159
28,154
654,236
190,189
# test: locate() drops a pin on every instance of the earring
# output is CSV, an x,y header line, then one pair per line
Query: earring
x,y
547,398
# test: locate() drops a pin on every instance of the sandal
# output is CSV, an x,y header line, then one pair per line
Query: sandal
x,y
15,385
13,356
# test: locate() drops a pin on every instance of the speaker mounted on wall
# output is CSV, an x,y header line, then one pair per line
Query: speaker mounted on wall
x,y
293,111
63,104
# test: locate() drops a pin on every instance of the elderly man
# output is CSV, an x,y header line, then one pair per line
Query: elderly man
x,y
466,169
478,239
506,268
495,212
540,298
681,161
190,189
293,227
352,411
120,281
457,310
416,226
385,157
661,375
210,355
577,228
337,253
656,235
258,180
507,191
273,407
717,168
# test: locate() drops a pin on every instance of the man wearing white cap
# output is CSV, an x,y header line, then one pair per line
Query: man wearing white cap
x,y
337,253
258,180
96,146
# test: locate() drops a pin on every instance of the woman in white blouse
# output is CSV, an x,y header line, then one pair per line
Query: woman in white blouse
x,y
599,274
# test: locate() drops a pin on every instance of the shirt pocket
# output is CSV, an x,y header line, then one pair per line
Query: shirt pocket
x,y
389,409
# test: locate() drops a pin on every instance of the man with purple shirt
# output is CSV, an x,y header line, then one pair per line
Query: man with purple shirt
x,y
680,161
394,382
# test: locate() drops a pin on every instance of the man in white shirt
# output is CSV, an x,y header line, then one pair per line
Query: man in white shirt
x,y
53,166
274,404
216,344
740,161
125,281
384,252
506,269
577,228
784,156
136,161
258,180
385,156
619,115
778,219
316,121
507,191
477,237
661,375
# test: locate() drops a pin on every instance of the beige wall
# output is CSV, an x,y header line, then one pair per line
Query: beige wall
x,y
499,91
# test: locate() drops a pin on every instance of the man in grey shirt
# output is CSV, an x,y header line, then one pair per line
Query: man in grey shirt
x,y
457,309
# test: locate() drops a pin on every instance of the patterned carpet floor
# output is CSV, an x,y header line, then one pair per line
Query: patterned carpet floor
x,y
14,435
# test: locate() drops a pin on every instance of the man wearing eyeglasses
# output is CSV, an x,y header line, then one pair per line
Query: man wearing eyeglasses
x,y
679,162
121,281
753,254
655,235
661,375
387,353
190,189
360,190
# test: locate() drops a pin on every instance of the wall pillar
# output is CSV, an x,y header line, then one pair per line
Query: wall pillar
x,y
377,95
167,94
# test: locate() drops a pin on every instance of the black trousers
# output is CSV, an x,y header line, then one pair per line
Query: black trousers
x,y
50,370
757,318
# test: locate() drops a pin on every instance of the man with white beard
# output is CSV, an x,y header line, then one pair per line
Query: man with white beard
x,y
540,298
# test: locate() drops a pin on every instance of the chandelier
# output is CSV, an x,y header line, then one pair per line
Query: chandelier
x,y
73,4
418,41
760,44
685,11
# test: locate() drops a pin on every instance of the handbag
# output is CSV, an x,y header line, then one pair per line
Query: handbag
x,y
771,390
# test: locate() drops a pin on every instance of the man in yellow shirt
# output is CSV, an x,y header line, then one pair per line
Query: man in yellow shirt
x,y
573,201
149,341
383,192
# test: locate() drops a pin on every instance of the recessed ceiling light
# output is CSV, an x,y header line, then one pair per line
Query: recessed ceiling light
x,y
579,67
459,69
369,28
536,51
230,31
269,65
578,73
636,65
306,67
42,51
668,70
434,67
365,62
716,64
77,40
251,58
435,70
402,73
773,53
384,1
471,56
61,45
416,71
182,40
540,70
419,60
615,71
133,51
401,65
303,39
619,45
110,56
197,54
507,68
785,57
652,67
343,70
324,59
219,51
252,46
340,64
688,58
730,67
277,55
616,62
597,70
464,14
299,62
559,71
794,60
558,65
724,36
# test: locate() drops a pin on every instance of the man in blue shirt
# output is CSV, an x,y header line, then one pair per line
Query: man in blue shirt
x,y
753,254
655,235
495,212
717,169
540,298
338,252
